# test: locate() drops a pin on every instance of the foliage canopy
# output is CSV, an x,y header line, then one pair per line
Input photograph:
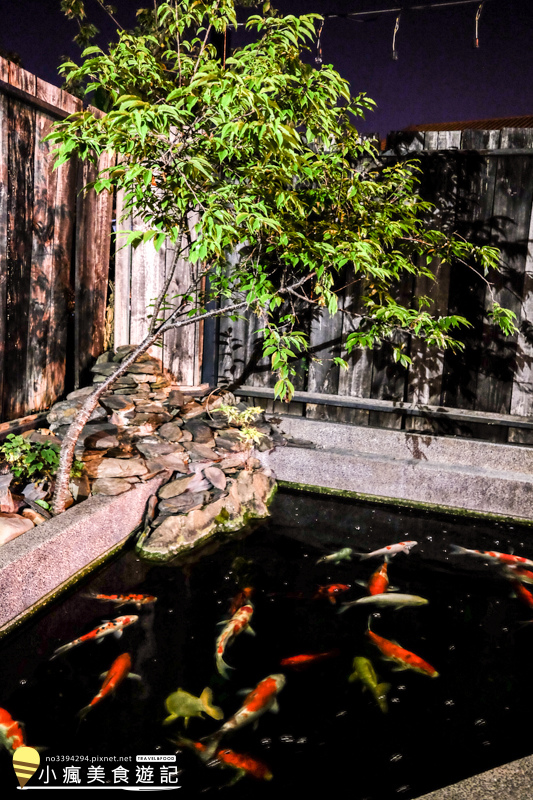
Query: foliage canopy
x,y
261,146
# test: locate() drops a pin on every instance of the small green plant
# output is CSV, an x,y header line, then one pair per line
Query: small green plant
x,y
242,418
249,435
33,460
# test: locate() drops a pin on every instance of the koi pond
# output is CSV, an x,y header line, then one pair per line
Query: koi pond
x,y
407,733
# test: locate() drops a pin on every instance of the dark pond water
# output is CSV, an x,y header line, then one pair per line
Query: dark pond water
x,y
328,734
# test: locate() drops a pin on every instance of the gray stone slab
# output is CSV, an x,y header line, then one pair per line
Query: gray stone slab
x,y
406,444
388,469
41,560
513,781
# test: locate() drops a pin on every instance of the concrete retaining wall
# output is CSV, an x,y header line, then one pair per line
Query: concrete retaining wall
x,y
447,472
38,564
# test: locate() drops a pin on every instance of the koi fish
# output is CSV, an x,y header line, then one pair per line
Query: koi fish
x,y
389,550
261,699
11,732
491,555
522,594
123,599
183,704
241,599
300,662
519,574
404,659
364,671
118,671
379,580
244,764
239,622
387,600
114,626
341,555
330,591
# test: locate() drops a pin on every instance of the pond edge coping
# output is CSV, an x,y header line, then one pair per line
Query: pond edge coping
x,y
40,564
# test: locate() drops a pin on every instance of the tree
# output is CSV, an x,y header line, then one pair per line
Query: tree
x,y
261,147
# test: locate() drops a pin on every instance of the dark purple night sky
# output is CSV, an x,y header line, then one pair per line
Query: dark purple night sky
x,y
438,76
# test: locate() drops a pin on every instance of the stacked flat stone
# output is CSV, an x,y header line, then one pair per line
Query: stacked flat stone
x,y
136,433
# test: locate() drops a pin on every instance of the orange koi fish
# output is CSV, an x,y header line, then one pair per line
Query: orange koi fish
x,y
241,599
118,671
244,764
303,661
379,581
123,599
114,626
403,658
11,732
261,699
239,622
331,591
491,555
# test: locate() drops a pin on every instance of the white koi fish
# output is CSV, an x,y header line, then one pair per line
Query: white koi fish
x,y
387,600
261,699
239,622
114,626
389,550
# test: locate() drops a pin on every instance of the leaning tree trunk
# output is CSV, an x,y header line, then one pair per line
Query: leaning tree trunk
x,y
68,445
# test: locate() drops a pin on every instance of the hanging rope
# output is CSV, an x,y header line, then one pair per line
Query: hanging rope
x,y
318,57
478,15
396,29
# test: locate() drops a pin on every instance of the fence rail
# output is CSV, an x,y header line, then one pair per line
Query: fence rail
x,y
54,251
482,185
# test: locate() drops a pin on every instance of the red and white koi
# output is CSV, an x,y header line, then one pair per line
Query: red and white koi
x,y
239,622
114,626
404,659
330,592
390,550
11,732
522,594
244,764
118,671
491,555
241,599
261,699
124,599
519,574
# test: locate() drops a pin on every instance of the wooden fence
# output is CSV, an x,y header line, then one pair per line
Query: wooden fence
x,y
54,251
482,185
140,274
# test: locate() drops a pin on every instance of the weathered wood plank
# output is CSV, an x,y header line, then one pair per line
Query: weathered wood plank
x,y
182,346
356,381
475,201
61,339
522,393
510,230
480,140
147,275
20,223
38,395
122,274
439,185
393,408
92,268
4,178
324,345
